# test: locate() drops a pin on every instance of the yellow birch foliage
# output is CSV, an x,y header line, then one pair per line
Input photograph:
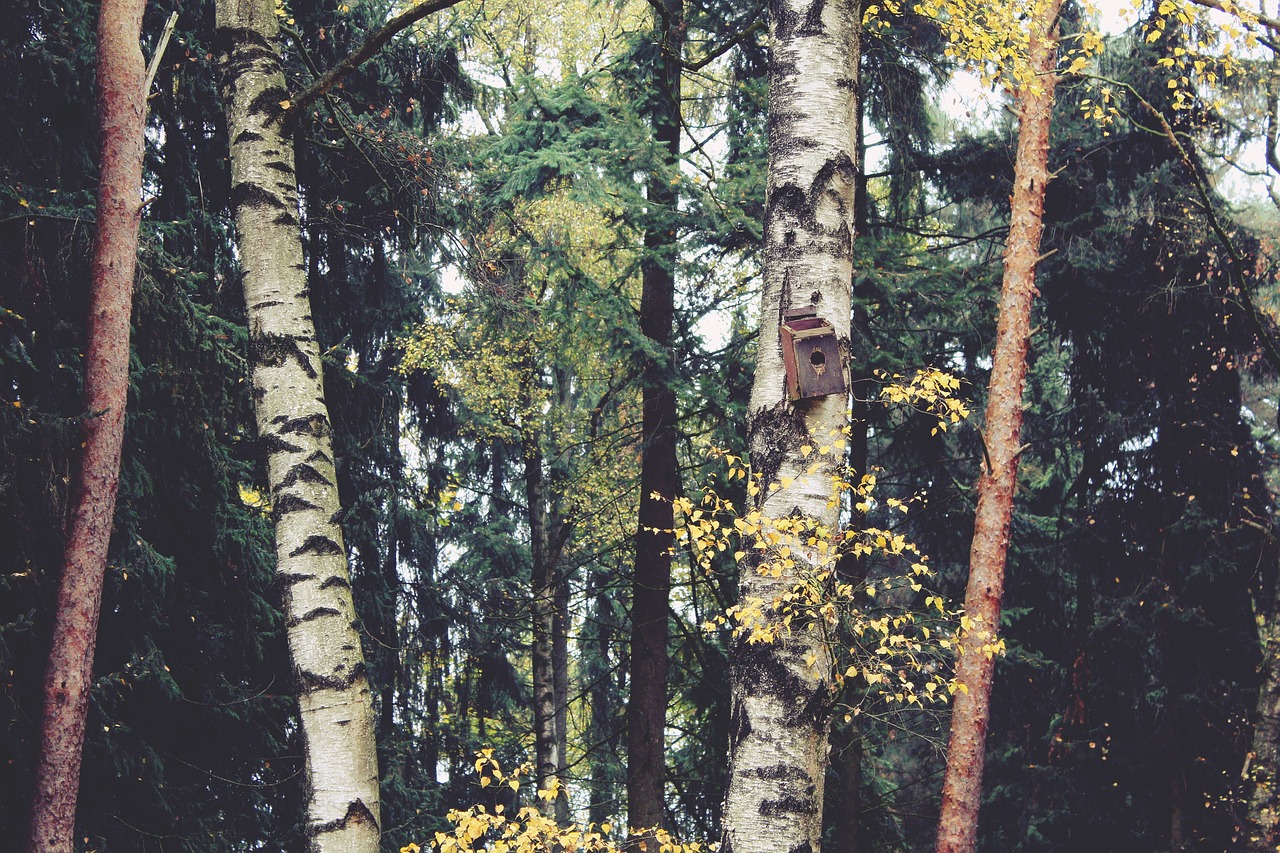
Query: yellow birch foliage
x,y
527,830
900,629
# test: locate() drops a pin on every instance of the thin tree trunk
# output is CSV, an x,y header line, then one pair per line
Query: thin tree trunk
x,y
780,710
560,671
962,784
68,676
335,704
651,586
547,759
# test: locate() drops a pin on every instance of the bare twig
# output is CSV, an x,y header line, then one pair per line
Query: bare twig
x,y
160,48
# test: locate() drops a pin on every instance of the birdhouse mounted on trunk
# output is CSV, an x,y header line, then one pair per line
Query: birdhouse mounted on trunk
x,y
811,355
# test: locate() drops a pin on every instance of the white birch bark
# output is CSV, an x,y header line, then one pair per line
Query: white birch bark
x,y
781,704
334,699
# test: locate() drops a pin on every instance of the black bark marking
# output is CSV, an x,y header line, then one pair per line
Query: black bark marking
x,y
777,773
311,616
272,443
317,425
302,473
788,805
241,50
336,580
739,724
248,136
357,813
285,218
812,25
773,435
280,166
317,546
269,103
803,847
249,195
231,39
784,21
269,350
309,682
285,504
768,675
789,199
270,303
319,456
288,579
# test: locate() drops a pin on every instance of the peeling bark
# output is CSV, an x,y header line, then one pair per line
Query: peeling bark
x,y
962,784
780,705
335,702
69,672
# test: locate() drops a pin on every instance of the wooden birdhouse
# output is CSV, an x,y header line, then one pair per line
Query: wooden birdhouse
x,y
811,355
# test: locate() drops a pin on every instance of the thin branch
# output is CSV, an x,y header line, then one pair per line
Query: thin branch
x,y
1270,23
1270,347
361,55
743,34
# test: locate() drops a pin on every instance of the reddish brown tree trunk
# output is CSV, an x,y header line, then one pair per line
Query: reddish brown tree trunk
x,y
651,588
122,106
962,785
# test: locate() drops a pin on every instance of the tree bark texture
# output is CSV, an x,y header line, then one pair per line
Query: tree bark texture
x,y
962,783
549,759
1261,775
335,703
651,586
780,711
69,672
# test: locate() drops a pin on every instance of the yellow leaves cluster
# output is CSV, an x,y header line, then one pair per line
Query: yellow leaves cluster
x,y
930,391
254,498
478,829
894,641
994,37
1207,47
491,370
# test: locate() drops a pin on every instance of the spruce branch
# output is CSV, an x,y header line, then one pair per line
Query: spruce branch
x,y
360,55
1270,346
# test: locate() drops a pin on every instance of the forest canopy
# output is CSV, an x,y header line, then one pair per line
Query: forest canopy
x,y
587,425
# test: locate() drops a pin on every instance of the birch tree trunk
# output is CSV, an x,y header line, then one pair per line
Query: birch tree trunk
x,y
651,587
548,757
69,672
334,699
962,784
781,704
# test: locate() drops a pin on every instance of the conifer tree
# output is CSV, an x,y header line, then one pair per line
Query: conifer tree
x,y
122,115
